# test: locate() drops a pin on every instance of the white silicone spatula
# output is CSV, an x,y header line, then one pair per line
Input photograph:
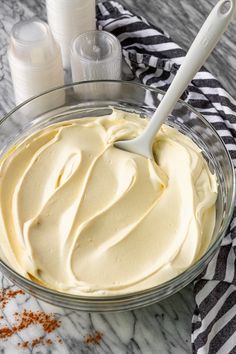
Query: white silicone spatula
x,y
204,43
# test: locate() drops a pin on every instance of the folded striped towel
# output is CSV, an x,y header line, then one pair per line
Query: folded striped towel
x,y
154,58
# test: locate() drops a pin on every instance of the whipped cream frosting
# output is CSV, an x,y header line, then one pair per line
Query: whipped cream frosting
x,y
81,216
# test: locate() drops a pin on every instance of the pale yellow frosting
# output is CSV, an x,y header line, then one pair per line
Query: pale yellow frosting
x,y
81,216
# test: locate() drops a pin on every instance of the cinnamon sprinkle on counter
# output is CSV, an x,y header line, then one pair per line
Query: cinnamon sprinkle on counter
x,y
59,339
35,342
23,345
94,338
47,321
6,296
49,341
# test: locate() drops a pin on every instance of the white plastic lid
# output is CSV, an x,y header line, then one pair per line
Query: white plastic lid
x,y
96,46
96,55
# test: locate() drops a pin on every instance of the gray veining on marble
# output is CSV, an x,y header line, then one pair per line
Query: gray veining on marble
x,y
161,328
158,329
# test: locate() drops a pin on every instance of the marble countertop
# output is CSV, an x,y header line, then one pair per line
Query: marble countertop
x,y
161,328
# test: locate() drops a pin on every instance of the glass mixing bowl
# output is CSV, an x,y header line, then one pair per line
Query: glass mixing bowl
x,y
94,99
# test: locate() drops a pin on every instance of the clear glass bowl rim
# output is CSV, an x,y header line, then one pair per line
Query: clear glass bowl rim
x,y
174,283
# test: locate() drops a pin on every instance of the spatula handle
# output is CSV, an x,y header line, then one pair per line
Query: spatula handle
x,y
206,40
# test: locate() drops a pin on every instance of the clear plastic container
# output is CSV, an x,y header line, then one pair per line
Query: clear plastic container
x,y
35,60
96,55
70,18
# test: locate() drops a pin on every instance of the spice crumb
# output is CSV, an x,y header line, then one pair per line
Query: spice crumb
x,y
94,338
25,344
59,339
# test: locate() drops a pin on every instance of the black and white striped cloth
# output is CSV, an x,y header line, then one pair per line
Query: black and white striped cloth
x,y
155,58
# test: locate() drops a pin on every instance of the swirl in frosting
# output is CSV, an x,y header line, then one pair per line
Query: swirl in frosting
x,y
81,216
